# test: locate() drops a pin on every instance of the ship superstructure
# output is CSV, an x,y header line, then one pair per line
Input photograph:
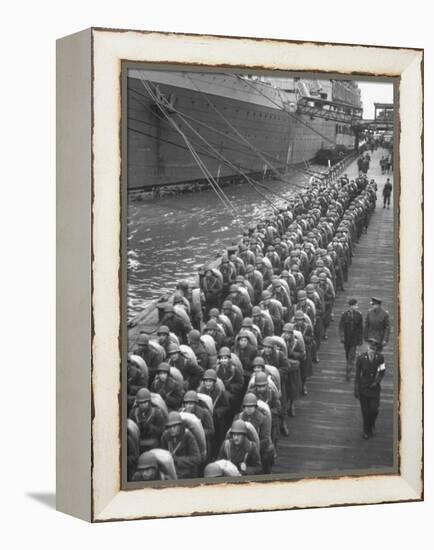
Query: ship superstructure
x,y
190,126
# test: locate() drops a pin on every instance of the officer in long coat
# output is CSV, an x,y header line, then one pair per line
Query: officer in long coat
x,y
377,324
351,333
370,369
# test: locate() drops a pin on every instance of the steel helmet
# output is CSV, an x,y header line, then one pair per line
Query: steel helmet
x,y
214,312
258,361
173,348
310,288
268,343
146,460
191,397
247,322
210,374
239,279
194,335
233,288
301,295
143,395
211,325
173,419
224,352
256,311
143,339
227,304
288,327
239,427
163,330
265,295
250,400
261,379
163,367
299,314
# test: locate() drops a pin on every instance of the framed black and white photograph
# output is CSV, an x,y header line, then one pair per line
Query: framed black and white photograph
x,y
245,292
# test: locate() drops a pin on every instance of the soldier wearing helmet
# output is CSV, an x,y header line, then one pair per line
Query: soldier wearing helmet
x,y
302,324
280,293
220,402
165,338
202,355
246,350
137,377
240,297
276,358
296,354
317,299
232,378
234,314
262,321
177,324
147,468
265,270
149,419
151,355
192,405
256,279
274,259
252,413
263,391
190,370
229,273
246,255
183,447
244,454
274,308
166,386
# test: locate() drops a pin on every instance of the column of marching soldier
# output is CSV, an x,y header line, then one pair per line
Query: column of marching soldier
x,y
210,395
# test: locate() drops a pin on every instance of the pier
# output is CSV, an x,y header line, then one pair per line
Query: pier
x,y
326,434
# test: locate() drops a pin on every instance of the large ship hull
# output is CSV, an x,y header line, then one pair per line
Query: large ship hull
x,y
234,126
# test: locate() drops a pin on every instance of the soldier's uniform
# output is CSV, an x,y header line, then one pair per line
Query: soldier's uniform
x,y
247,453
351,333
185,452
377,324
370,370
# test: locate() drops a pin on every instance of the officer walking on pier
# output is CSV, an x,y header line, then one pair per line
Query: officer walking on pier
x,y
377,324
387,191
351,333
370,369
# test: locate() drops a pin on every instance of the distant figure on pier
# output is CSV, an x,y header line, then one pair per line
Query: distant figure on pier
x,y
370,369
351,333
387,191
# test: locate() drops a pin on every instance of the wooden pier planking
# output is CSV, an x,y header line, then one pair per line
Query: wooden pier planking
x,y
326,434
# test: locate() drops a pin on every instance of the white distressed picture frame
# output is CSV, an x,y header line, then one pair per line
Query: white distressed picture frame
x,y
88,267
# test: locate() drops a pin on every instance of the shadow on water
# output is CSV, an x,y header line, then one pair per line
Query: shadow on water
x,y
47,499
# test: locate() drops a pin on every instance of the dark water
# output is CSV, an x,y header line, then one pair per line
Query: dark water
x,y
170,237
